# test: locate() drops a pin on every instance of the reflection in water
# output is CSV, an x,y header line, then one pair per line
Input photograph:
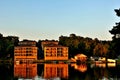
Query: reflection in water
x,y
100,65
6,71
80,67
111,64
59,72
103,65
55,70
25,70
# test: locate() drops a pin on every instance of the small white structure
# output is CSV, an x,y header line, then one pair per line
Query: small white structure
x,y
103,59
111,60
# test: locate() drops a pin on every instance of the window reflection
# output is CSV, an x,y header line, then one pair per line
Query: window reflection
x,y
25,70
55,70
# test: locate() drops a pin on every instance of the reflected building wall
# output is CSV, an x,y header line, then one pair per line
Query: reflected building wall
x,y
56,70
25,70
80,67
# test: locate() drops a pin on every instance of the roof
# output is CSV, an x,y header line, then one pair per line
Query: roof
x,y
49,40
81,55
53,45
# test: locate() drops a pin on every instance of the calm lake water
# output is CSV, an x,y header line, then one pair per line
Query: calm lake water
x,y
60,71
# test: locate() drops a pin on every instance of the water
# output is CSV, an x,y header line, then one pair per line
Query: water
x,y
61,71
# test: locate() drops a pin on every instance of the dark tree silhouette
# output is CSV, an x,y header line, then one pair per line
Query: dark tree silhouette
x,y
117,12
7,46
116,31
115,45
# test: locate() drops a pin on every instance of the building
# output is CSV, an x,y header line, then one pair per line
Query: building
x,y
81,57
26,51
55,70
46,42
27,43
55,52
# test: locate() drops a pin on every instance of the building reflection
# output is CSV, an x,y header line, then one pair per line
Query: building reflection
x,y
80,67
26,71
103,65
55,70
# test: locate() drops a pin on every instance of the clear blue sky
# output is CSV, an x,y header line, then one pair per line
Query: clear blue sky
x,y
49,19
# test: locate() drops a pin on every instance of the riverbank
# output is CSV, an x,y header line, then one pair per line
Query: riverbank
x,y
6,61
57,61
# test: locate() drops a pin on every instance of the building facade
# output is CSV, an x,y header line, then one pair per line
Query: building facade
x,y
26,51
46,42
27,43
55,52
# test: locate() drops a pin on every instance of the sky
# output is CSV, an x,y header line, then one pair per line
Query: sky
x,y
49,19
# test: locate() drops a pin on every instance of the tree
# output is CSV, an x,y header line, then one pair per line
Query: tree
x,y
116,36
116,31
7,46
1,35
87,46
117,12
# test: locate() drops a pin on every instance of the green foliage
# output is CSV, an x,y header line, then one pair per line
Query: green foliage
x,y
7,46
116,31
87,46
101,49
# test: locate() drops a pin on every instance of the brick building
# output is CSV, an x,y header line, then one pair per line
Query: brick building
x,y
55,52
26,51
46,42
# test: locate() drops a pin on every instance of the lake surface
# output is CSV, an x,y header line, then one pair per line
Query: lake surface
x,y
50,71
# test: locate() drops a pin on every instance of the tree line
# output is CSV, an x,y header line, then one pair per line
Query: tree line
x,y
87,46
7,46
